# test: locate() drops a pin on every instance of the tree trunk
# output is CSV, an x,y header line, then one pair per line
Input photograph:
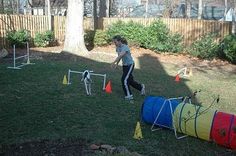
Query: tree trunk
x,y
234,21
188,9
102,8
199,9
95,16
146,8
108,8
74,37
18,7
30,6
48,11
2,7
226,7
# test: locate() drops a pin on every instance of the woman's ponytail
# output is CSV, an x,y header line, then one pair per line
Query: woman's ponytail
x,y
124,41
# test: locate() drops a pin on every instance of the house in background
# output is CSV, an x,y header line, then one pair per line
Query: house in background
x,y
212,10
39,7
230,16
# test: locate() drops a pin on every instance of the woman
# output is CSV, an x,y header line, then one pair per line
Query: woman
x,y
127,78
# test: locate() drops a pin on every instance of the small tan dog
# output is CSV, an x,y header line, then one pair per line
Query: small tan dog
x,y
87,81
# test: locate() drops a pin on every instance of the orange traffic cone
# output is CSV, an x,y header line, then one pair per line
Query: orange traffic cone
x,y
177,78
108,87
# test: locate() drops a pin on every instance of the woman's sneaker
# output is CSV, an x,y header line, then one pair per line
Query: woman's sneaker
x,y
143,90
129,97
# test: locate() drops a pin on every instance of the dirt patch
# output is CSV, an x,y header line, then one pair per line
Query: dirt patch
x,y
108,53
179,60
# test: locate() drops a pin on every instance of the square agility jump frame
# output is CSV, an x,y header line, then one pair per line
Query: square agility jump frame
x,y
19,57
94,74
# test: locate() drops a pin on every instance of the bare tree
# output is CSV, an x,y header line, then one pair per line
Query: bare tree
x,y
95,15
234,18
74,36
170,6
103,8
187,8
17,6
2,6
48,6
199,9
226,8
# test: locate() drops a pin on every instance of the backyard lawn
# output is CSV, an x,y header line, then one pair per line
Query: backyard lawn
x,y
41,116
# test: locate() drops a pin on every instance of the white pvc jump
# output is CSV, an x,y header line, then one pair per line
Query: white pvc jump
x,y
19,57
183,71
78,72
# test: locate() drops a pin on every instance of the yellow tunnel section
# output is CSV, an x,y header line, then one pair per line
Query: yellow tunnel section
x,y
194,120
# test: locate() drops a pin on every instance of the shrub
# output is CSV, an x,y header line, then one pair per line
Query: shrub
x,y
205,48
158,37
89,37
100,38
156,34
174,43
43,39
132,31
228,48
18,37
155,37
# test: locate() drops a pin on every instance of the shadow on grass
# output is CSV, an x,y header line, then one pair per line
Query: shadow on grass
x,y
35,105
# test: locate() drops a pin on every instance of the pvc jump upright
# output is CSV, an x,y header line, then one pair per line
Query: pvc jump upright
x,y
27,56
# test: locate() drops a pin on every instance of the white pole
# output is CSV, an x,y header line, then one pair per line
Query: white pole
x,y
14,55
104,82
27,46
49,15
146,9
68,77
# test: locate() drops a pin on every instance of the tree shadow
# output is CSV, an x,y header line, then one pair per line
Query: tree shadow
x,y
158,81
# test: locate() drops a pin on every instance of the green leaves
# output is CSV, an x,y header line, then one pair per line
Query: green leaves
x,y
228,48
205,48
156,37
18,37
43,39
100,38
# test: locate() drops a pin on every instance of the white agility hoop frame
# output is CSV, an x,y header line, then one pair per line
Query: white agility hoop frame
x,y
19,57
78,72
172,113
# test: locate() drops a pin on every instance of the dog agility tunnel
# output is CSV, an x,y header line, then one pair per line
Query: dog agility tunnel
x,y
201,122
152,107
224,130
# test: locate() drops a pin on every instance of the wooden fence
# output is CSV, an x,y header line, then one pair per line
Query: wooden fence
x,y
191,29
16,22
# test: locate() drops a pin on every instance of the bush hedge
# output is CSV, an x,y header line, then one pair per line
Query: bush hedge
x,y
44,39
227,48
18,38
205,47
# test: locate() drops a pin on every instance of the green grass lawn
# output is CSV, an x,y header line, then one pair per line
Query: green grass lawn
x,y
35,105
